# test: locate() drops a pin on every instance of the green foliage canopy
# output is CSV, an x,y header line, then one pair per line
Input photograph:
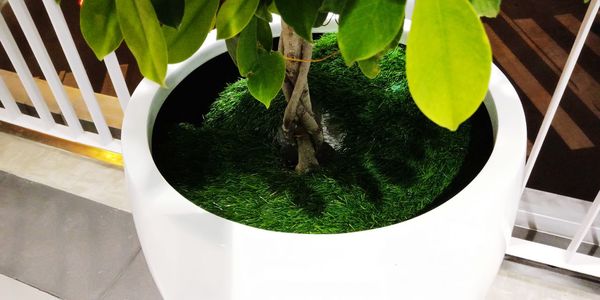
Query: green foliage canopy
x,y
448,53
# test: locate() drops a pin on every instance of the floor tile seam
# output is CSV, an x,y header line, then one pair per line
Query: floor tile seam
x,y
84,195
554,270
27,180
33,286
120,274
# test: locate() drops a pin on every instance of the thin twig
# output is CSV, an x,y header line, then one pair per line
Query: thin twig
x,y
334,53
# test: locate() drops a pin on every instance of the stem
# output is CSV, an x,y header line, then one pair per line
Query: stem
x,y
297,94
307,159
299,122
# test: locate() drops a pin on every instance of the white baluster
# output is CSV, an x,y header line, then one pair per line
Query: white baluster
x,y
585,226
18,62
118,81
8,101
66,42
41,54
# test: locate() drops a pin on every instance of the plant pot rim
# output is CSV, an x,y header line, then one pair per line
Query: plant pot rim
x,y
141,114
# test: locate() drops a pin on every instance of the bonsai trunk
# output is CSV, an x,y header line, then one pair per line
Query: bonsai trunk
x,y
301,127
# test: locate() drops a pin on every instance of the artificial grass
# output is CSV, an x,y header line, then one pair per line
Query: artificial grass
x,y
392,163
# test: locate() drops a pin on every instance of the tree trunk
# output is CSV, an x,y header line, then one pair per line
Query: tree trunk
x,y
300,125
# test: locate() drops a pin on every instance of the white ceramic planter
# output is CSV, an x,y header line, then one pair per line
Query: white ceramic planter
x,y
451,252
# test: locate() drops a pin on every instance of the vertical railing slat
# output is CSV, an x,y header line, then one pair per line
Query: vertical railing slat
x,y
41,54
18,62
68,45
8,101
584,228
118,81
584,30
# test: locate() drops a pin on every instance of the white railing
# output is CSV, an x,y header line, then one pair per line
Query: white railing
x,y
577,231
45,123
568,258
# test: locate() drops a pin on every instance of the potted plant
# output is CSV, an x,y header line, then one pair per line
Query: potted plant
x,y
453,251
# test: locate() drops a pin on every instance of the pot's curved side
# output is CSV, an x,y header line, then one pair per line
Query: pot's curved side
x,y
453,251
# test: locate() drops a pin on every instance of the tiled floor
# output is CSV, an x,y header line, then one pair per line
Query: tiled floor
x,y
13,289
522,280
61,170
74,248
69,246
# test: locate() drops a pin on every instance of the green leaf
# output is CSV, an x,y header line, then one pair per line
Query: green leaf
x,y
448,61
233,16
321,18
370,66
144,38
265,35
263,11
300,15
334,6
367,27
396,41
100,26
232,45
197,22
266,79
487,8
169,12
273,8
247,53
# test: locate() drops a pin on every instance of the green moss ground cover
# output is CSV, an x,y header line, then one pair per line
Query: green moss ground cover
x,y
392,163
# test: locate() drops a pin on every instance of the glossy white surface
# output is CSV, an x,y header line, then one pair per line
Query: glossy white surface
x,y
451,252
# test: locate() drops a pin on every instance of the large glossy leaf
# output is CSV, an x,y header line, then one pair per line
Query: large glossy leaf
x,y
100,26
321,18
367,27
448,60
266,79
487,8
370,66
169,12
300,15
264,34
144,38
231,45
197,22
396,41
272,8
233,16
263,10
247,52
